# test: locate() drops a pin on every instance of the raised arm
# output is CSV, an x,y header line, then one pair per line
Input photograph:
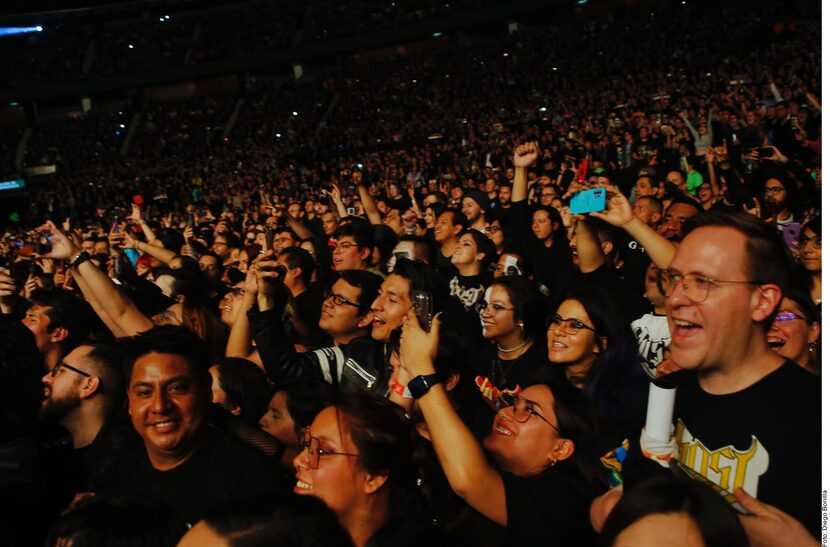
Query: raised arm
x,y
619,213
524,156
120,309
135,216
463,460
369,205
240,342
337,199
165,256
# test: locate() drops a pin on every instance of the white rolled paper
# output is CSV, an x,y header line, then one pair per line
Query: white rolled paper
x,y
660,410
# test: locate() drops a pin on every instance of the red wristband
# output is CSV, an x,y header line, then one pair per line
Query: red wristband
x,y
401,390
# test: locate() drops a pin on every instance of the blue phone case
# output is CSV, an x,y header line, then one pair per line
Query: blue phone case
x,y
588,201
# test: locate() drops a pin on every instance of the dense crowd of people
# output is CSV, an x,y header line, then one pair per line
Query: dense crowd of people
x,y
375,313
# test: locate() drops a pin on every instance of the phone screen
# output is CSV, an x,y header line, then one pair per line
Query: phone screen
x,y
588,201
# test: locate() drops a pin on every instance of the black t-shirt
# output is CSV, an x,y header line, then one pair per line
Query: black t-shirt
x,y
494,375
765,439
222,469
444,265
469,289
550,509
406,532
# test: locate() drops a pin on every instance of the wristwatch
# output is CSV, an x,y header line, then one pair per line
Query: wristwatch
x,y
419,385
79,259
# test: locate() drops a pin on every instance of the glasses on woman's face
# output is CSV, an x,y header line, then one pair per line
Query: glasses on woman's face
x,y
568,324
311,444
522,408
490,230
483,306
787,316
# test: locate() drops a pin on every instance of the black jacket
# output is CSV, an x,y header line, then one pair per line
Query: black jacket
x,y
361,362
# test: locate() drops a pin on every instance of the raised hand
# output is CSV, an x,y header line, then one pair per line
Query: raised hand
x,y
418,348
618,211
525,154
62,247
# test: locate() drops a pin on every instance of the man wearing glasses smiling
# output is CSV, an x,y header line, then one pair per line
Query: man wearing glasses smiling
x,y
745,418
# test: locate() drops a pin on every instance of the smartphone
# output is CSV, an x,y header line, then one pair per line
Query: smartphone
x,y
269,239
350,211
422,306
44,244
588,201
765,152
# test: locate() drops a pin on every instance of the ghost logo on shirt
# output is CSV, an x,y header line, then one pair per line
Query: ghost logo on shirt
x,y
727,467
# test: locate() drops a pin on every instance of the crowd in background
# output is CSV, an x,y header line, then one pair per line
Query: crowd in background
x,y
370,312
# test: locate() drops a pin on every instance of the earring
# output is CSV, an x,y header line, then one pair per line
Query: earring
x,y
811,347
522,329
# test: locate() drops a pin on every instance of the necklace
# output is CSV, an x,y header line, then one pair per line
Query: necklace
x,y
511,350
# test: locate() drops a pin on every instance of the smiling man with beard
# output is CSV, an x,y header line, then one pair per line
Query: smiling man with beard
x,y
184,461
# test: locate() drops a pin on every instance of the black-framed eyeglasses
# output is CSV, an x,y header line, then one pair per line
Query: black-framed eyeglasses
x,y
788,316
340,301
695,286
345,246
774,190
522,408
60,365
492,230
483,305
311,444
568,324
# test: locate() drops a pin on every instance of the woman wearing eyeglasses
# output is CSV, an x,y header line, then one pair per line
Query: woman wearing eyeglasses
x,y
512,320
592,348
809,254
796,332
537,489
359,456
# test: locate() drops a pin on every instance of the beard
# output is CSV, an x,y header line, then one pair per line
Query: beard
x,y
54,408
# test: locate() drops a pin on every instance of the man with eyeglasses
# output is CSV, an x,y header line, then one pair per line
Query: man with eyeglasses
x,y
346,317
353,246
83,393
744,418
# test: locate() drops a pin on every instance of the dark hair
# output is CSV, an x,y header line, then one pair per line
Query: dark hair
x,y
766,260
387,443
618,364
437,208
21,391
360,230
423,277
231,239
368,282
529,305
458,218
245,385
105,358
173,340
216,257
297,257
716,521
385,240
483,245
577,420
118,522
681,199
288,520
65,310
424,248
305,399
814,225
189,283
